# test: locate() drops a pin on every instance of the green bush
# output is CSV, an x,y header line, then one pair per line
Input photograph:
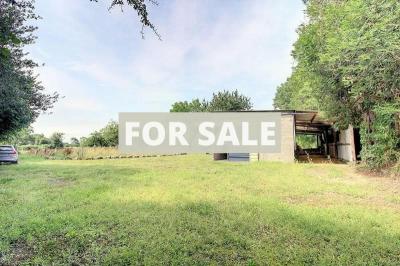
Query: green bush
x,y
380,139
67,153
307,141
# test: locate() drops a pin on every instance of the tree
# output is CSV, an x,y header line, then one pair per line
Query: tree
x,y
221,101
346,57
105,137
194,106
297,92
83,141
56,140
21,95
229,101
74,142
141,8
40,139
110,134
20,137
95,139
25,136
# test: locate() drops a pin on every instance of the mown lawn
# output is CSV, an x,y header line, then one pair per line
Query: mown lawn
x,y
191,210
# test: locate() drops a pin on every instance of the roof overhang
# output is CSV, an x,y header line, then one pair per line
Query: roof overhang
x,y
307,122
311,122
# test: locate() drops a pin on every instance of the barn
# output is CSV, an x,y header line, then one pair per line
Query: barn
x,y
327,143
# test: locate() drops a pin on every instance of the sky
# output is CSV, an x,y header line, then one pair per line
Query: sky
x,y
98,62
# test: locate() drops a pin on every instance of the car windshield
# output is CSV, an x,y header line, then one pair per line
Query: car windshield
x,y
6,148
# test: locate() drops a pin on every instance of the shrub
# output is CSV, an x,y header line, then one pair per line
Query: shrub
x,y
80,153
380,138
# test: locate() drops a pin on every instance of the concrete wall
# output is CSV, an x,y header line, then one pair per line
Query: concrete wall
x,y
345,145
253,157
287,144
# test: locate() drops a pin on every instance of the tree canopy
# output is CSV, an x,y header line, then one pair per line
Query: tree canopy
x,y
221,101
194,106
22,97
105,137
57,140
347,66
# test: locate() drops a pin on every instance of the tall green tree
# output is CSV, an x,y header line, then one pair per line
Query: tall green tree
x,y
229,101
297,92
105,137
22,96
220,101
347,58
95,139
194,106
110,134
57,140
74,142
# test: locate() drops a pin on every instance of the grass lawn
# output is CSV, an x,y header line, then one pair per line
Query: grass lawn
x,y
191,210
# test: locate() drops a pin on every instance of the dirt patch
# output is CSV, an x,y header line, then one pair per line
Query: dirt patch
x,y
318,159
384,183
385,173
20,251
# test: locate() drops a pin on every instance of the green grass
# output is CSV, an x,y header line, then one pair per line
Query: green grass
x,y
192,210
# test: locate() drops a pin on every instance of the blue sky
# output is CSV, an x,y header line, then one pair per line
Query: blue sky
x,y
98,61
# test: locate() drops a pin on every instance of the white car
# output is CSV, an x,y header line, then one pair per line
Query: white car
x,y
8,154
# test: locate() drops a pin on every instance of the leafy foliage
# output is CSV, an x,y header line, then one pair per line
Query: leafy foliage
x,y
297,93
221,101
110,133
105,137
56,140
95,139
141,8
385,140
74,142
307,141
194,106
21,95
229,101
348,67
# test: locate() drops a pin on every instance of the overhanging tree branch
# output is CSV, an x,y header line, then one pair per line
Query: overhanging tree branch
x,y
141,9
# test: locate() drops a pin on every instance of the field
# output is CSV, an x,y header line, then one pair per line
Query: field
x,y
191,210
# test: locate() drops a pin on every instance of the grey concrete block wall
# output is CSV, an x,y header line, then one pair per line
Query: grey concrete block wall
x,y
253,157
288,142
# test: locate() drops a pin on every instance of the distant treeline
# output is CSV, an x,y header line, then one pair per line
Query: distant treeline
x,y
108,136
105,137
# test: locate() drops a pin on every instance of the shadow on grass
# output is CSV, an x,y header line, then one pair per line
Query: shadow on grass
x,y
199,232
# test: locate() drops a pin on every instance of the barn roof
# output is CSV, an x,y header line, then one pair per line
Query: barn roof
x,y
306,121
